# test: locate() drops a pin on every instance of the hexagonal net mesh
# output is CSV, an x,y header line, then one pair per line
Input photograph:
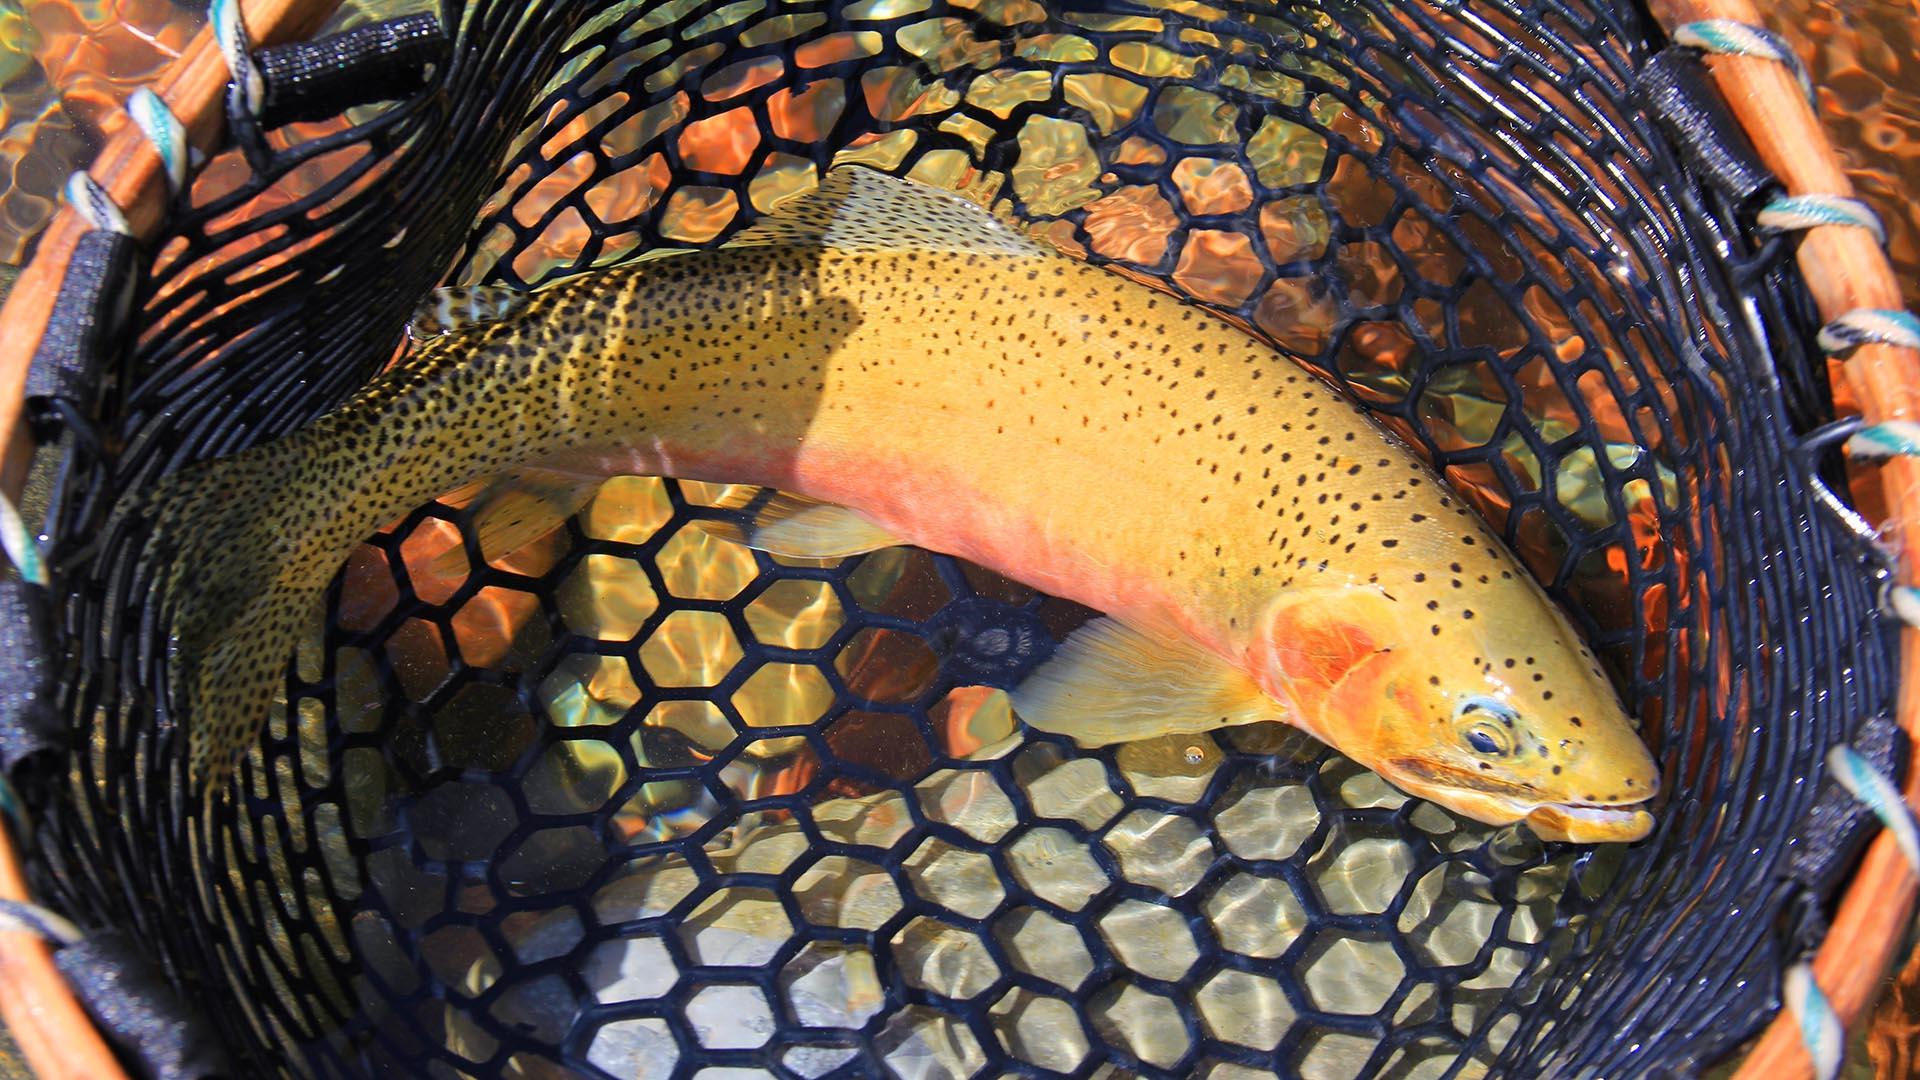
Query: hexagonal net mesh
x,y
631,801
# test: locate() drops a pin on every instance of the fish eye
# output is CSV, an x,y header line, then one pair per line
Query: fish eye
x,y
1487,739
1486,724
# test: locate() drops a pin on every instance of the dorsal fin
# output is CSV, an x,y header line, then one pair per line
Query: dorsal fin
x,y
858,209
458,308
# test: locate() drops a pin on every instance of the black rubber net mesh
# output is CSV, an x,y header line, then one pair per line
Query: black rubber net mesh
x,y
633,802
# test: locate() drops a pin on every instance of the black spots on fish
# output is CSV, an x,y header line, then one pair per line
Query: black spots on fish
x,y
1574,719
1557,770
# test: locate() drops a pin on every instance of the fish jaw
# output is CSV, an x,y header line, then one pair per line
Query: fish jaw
x,y
1492,803
1590,824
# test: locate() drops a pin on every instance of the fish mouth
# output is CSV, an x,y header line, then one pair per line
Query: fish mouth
x,y
1496,802
1580,823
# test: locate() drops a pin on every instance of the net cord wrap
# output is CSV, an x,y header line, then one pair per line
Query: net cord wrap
x,y
152,1022
55,1033
1871,326
1674,88
164,132
319,79
89,318
30,722
230,30
1819,1024
94,204
21,546
18,915
1876,792
1731,37
1792,212
125,994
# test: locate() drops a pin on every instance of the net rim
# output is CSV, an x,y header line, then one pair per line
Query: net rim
x,y
1843,268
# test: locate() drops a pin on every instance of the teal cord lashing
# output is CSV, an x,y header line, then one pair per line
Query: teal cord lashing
x,y
1726,37
1862,326
1820,1028
21,547
1871,326
1791,213
164,131
94,205
231,33
21,917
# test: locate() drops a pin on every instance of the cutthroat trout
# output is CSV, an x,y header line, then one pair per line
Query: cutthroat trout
x,y
911,370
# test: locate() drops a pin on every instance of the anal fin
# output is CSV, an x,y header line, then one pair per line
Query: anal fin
x,y
802,528
1109,683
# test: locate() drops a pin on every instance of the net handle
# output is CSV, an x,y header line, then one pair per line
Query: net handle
x,y
54,1032
1845,270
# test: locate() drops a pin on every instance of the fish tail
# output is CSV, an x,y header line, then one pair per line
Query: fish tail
x,y
210,557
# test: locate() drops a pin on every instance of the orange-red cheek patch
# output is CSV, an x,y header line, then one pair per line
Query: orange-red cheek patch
x,y
1321,654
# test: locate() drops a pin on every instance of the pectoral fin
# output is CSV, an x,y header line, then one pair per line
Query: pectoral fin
x,y
1109,683
803,528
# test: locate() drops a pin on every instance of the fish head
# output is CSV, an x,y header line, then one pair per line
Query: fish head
x,y
1504,716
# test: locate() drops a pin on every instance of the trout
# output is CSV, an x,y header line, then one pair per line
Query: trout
x,y
906,368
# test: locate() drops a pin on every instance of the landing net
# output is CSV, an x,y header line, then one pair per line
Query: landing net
x,y
628,800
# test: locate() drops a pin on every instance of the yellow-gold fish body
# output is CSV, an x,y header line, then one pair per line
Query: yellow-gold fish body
x,y
909,369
